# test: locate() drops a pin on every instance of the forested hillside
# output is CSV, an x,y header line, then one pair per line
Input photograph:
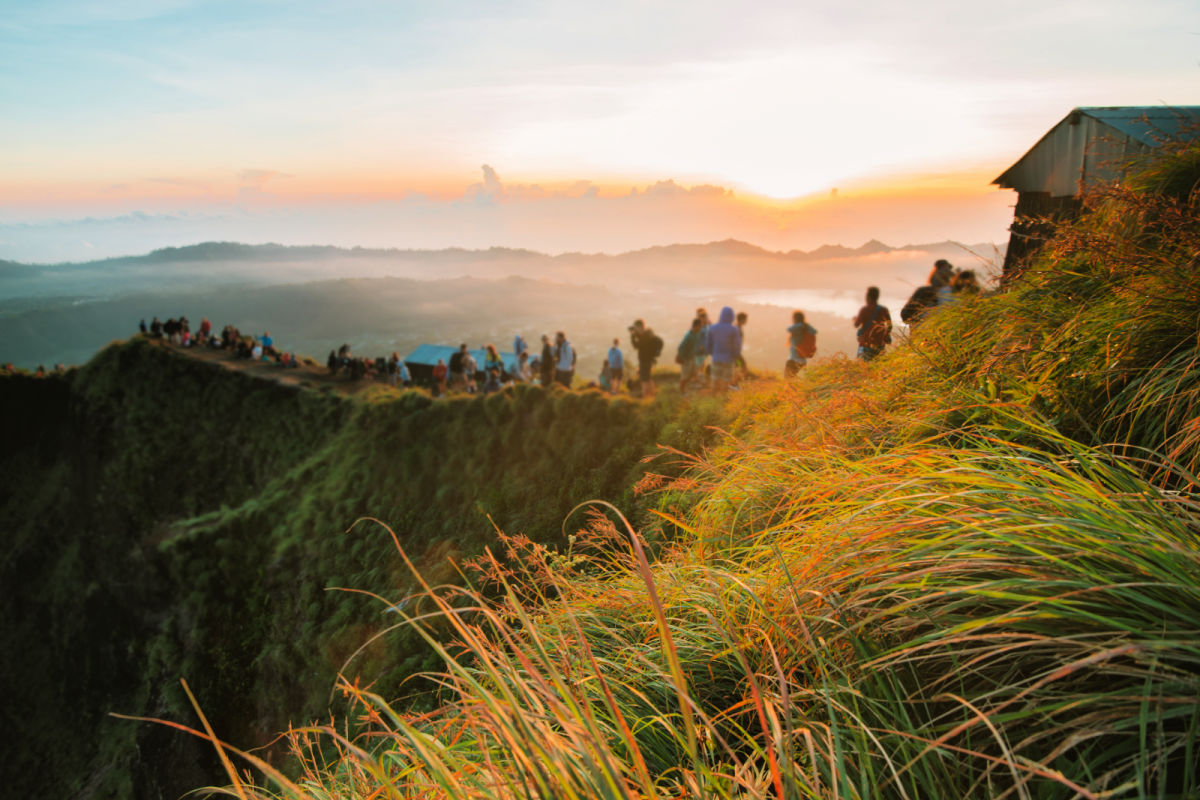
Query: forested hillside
x,y
167,518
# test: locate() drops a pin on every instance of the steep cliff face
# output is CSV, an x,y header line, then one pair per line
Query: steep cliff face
x,y
167,518
101,463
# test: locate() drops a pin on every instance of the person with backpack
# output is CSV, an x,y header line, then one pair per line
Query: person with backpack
x,y
685,354
724,344
649,347
874,326
564,360
802,344
457,368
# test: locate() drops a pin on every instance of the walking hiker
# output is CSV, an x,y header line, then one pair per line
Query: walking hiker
x,y
649,347
874,326
802,344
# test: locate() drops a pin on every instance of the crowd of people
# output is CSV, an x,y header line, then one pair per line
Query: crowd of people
x,y
178,331
945,285
709,355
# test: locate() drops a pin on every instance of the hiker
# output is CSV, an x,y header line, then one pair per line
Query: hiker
x,y
470,370
397,372
616,366
439,378
492,384
564,360
156,329
702,351
802,344
268,344
547,361
524,371
142,326
649,347
965,283
740,369
723,341
604,381
492,360
457,366
874,326
921,302
685,354
941,278
519,346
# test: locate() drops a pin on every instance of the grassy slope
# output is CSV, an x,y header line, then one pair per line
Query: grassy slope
x,y
168,518
969,569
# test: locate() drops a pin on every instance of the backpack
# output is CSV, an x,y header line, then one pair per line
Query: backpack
x,y
873,335
807,347
456,362
656,345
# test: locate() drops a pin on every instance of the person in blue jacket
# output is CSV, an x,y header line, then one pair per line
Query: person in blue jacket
x,y
724,345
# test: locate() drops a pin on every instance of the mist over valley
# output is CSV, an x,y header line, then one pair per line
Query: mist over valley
x,y
313,299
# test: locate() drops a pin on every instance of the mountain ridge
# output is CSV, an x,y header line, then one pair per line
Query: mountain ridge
x,y
272,251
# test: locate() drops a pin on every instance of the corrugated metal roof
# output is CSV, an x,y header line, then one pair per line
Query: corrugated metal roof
x,y
428,354
1150,125
1091,144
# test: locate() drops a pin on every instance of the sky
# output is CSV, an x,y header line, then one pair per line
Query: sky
x,y
557,126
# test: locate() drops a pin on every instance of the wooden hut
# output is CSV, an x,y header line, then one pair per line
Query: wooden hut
x,y
1089,148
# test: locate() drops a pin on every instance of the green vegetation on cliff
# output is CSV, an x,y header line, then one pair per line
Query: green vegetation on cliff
x,y
168,518
969,569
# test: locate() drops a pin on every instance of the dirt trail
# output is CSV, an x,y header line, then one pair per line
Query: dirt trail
x,y
313,377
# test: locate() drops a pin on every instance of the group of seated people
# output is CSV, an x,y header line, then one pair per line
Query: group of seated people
x,y
946,284
256,348
356,368
40,372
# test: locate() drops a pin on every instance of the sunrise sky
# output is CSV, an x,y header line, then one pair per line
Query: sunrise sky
x,y
134,124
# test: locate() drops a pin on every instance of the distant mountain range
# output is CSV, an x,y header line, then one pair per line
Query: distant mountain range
x,y
236,251
317,297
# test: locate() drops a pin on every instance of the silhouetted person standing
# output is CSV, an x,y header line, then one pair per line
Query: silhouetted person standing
x,y
874,326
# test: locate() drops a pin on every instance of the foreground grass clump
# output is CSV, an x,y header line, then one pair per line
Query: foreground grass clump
x,y
970,569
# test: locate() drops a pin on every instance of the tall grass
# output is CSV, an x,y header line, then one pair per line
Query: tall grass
x,y
969,569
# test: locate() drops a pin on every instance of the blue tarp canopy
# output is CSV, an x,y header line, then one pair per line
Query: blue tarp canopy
x,y
426,356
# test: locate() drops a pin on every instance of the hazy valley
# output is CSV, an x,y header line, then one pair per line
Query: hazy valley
x,y
314,299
